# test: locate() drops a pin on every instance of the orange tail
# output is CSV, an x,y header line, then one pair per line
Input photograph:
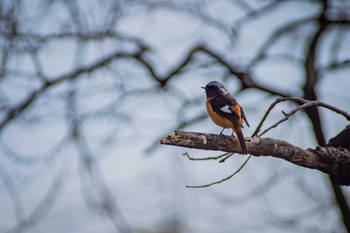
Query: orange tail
x,y
241,141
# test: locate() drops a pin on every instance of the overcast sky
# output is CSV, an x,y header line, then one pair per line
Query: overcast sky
x,y
149,189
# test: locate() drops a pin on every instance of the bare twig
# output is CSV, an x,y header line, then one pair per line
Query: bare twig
x,y
222,180
304,104
206,158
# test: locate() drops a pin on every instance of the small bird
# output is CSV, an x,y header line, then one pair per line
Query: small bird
x,y
224,110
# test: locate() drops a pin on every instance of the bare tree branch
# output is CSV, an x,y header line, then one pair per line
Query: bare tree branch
x,y
330,160
304,104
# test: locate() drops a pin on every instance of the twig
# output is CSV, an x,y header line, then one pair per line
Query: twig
x,y
206,158
224,159
304,104
222,180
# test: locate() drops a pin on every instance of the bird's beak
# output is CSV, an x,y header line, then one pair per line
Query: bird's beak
x,y
204,88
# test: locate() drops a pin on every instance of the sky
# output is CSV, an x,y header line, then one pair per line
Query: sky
x,y
149,188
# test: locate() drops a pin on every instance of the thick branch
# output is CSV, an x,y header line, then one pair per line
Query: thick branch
x,y
330,160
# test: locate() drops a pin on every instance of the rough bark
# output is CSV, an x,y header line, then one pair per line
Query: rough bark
x,y
334,161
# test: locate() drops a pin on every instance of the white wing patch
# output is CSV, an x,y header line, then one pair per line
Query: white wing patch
x,y
226,109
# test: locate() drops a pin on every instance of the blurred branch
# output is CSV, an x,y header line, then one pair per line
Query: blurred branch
x,y
330,160
42,208
17,109
254,14
277,34
33,159
337,65
311,79
98,196
337,43
309,93
81,35
242,75
13,194
192,9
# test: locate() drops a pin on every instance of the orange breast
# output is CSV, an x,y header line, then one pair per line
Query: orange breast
x,y
220,121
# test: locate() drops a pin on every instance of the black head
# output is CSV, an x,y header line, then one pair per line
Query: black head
x,y
214,88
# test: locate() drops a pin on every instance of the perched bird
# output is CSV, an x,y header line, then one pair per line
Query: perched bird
x,y
224,110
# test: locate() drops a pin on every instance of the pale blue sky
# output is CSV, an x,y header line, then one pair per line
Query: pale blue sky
x,y
150,188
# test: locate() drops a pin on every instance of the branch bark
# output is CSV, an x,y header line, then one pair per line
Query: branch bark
x,y
331,160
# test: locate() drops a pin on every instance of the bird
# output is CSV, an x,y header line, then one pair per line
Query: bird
x,y
225,112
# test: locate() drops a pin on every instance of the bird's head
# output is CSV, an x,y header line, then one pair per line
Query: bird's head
x,y
214,88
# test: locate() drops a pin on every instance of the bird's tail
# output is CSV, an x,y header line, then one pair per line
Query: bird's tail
x,y
241,141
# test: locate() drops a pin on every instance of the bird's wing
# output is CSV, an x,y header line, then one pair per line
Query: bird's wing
x,y
223,107
244,117
232,102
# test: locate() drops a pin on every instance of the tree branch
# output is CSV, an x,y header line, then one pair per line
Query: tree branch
x,y
303,105
330,160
